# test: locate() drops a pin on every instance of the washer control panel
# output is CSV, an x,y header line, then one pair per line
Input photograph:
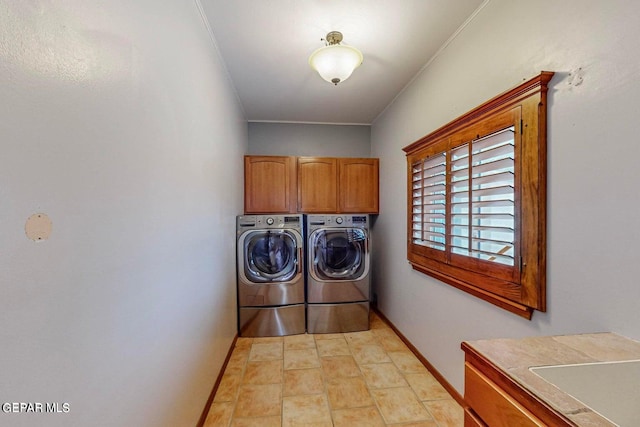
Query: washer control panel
x,y
269,221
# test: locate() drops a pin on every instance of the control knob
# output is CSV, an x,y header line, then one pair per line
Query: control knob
x,y
339,220
269,221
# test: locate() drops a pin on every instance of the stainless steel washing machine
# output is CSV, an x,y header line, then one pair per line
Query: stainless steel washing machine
x,y
338,279
270,264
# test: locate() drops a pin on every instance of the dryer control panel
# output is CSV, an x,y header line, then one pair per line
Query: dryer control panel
x,y
338,220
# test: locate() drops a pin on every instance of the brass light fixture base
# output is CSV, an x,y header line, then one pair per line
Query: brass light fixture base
x,y
334,37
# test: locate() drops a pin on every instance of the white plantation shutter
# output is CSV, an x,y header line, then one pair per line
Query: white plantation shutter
x,y
429,202
460,200
483,198
481,208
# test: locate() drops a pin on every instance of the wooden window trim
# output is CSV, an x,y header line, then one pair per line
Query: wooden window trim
x,y
528,291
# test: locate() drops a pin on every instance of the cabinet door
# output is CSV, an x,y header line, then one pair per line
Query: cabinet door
x,y
269,184
493,404
317,185
358,185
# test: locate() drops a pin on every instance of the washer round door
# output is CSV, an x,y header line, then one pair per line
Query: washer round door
x,y
338,254
270,255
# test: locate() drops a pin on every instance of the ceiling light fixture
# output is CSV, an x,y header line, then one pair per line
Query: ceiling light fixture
x,y
335,62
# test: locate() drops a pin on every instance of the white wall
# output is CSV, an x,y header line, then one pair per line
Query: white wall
x,y
301,139
118,121
593,201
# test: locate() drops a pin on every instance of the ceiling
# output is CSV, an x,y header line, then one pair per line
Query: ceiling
x,y
266,44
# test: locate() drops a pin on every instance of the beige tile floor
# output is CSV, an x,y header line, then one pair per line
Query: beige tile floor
x,y
367,378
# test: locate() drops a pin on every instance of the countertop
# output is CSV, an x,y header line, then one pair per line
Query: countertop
x,y
515,356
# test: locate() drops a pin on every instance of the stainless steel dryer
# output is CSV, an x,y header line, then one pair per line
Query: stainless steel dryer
x,y
338,280
271,275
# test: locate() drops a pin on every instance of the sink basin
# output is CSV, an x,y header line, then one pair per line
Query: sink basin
x,y
611,389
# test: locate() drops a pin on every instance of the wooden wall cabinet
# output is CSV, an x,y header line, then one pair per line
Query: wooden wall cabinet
x,y
358,185
317,184
282,184
338,185
270,184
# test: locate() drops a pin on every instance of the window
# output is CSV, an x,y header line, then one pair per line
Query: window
x,y
477,200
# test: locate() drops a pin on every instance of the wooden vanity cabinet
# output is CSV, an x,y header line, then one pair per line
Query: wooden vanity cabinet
x,y
270,184
338,185
494,399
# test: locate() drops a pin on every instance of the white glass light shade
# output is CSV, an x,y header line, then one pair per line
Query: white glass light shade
x,y
335,63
